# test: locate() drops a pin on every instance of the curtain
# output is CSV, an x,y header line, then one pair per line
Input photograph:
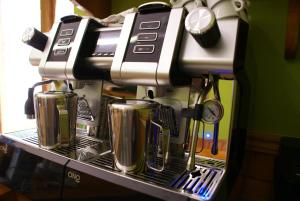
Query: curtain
x,y
16,72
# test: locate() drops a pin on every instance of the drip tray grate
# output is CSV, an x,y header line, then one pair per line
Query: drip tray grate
x,y
199,184
82,149
81,143
202,182
165,178
32,140
105,161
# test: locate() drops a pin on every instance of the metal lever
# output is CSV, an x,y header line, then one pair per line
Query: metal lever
x,y
197,118
191,160
214,148
163,139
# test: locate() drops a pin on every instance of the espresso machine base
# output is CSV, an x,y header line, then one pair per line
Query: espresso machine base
x,y
93,157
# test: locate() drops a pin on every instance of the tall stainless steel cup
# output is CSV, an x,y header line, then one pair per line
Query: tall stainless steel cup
x,y
56,115
131,124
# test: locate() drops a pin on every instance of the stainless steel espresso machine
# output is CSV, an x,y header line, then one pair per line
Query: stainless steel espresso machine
x,y
158,97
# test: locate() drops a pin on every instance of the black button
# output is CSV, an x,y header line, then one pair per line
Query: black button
x,y
147,37
70,18
66,32
143,49
61,51
150,25
63,41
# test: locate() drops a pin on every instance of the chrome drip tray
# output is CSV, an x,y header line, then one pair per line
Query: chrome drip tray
x,y
84,148
202,182
199,184
104,161
174,169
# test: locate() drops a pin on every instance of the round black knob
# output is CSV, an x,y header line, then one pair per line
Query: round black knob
x,y
35,38
202,24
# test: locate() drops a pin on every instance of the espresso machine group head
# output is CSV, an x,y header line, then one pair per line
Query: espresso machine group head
x,y
185,58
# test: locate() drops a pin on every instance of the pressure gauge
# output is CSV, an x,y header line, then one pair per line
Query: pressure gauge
x,y
213,111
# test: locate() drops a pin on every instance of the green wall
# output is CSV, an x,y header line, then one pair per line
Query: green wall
x,y
275,82
118,6
275,98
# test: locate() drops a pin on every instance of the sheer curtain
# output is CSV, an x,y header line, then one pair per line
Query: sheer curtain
x,y
16,73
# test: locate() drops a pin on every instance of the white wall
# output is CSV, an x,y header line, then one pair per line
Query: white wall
x,y
16,73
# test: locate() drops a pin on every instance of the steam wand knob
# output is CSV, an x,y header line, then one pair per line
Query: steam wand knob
x,y
201,23
35,38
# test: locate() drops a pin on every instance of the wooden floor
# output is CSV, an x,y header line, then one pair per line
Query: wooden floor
x,y
6,194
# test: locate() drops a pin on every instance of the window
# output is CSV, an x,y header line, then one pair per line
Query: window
x,y
16,73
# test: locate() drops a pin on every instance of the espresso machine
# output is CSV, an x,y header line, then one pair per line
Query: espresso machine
x,y
159,96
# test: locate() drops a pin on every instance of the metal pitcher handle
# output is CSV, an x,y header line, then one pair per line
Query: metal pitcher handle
x,y
163,140
64,130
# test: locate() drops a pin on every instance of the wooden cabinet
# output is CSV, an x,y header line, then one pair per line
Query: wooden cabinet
x,y
292,32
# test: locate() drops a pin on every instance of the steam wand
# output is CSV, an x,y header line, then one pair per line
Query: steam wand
x,y
29,104
197,120
214,148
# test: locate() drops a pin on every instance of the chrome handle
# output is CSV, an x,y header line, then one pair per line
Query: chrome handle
x,y
64,130
163,140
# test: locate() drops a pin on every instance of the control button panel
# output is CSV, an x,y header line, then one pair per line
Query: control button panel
x,y
66,32
150,25
61,51
147,37
143,49
63,41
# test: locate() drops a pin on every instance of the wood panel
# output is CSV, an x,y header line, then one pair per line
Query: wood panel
x,y
6,194
47,20
256,179
47,14
292,32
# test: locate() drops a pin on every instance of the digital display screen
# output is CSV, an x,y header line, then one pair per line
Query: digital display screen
x,y
107,42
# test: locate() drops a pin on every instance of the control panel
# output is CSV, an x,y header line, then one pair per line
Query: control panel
x,y
70,40
63,41
147,37
95,59
151,48
107,42
148,47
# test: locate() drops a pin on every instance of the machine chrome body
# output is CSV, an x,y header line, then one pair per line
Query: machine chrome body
x,y
193,59
171,75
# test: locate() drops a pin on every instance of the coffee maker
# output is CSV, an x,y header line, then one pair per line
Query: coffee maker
x,y
186,59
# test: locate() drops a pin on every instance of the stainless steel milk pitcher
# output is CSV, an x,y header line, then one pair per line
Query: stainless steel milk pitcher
x,y
56,115
132,125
